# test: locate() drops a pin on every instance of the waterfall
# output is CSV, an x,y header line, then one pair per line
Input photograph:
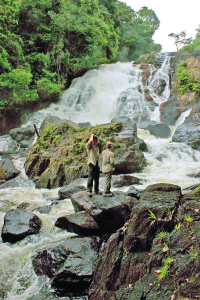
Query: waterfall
x,y
98,96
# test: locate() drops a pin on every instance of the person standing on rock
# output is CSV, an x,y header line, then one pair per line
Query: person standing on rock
x,y
107,168
93,165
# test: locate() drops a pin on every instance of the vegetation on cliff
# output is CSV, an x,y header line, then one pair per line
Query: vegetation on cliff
x,y
60,156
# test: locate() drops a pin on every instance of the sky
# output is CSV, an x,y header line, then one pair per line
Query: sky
x,y
174,15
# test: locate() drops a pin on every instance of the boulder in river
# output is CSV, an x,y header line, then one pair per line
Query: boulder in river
x,y
7,169
110,213
18,224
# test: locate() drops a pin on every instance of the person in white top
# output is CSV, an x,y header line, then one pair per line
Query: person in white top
x,y
107,168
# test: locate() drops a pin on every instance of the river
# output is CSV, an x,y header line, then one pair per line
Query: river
x,y
95,97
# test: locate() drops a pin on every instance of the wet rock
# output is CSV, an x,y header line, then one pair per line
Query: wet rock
x,y
142,145
85,125
70,189
18,224
109,213
7,169
44,209
189,131
50,120
133,192
49,261
171,110
126,268
7,145
80,223
122,119
124,180
23,134
128,161
160,130
18,181
75,275
128,135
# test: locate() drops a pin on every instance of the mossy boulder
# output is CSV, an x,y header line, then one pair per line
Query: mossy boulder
x,y
59,156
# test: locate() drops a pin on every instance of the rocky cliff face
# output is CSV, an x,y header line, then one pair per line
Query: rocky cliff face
x,y
187,132
156,253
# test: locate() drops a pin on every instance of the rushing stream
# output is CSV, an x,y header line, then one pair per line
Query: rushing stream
x,y
98,96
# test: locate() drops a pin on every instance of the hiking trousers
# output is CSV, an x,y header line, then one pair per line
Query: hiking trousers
x,y
93,176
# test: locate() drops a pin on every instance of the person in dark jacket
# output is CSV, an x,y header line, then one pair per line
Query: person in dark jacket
x,y
93,165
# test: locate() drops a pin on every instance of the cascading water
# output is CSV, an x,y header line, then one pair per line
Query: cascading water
x,y
101,94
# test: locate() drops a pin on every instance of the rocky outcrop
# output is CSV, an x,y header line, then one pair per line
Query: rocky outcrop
x,y
80,223
171,110
18,224
109,213
156,254
189,131
160,130
59,156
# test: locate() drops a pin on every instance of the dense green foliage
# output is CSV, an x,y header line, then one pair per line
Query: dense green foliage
x,y
45,42
186,82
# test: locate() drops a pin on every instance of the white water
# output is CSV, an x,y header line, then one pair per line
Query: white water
x,y
97,97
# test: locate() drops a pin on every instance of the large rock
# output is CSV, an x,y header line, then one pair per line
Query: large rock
x,y
7,145
18,181
75,275
7,169
151,214
189,131
160,130
70,264
22,133
60,157
80,223
110,213
18,224
128,161
70,189
50,120
124,180
171,110
129,262
128,135
49,261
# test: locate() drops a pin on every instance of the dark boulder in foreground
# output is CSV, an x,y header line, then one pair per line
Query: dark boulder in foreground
x,y
18,224
70,265
110,213
156,253
80,223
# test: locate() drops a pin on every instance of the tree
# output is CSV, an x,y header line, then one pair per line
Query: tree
x,y
150,18
180,39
